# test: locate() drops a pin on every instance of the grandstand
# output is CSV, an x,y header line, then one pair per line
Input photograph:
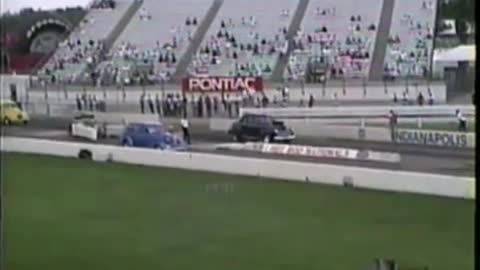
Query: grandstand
x,y
85,44
246,38
156,37
342,34
164,40
410,45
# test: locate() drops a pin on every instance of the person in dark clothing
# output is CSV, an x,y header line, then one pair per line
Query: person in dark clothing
x,y
90,103
215,105
150,104
208,105
200,106
393,120
184,106
142,103
237,107
420,99
79,103
264,101
158,104
310,101
194,22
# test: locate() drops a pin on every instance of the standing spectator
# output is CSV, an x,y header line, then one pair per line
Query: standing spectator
x,y
193,105
264,100
79,103
142,103
237,105
228,105
215,105
150,104
90,102
462,121
84,100
158,104
311,101
406,98
208,105
200,106
393,119
184,105
420,99
395,98
185,128
430,98
94,102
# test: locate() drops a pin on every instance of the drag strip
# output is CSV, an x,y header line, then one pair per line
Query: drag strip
x,y
413,158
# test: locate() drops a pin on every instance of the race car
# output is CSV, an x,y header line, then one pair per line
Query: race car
x,y
87,127
257,127
154,136
11,113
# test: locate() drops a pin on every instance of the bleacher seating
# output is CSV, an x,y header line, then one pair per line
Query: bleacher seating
x,y
84,44
245,38
410,47
329,32
155,39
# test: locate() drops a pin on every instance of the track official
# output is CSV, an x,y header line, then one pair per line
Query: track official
x,y
185,128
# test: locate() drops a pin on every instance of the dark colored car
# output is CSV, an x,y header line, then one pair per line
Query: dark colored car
x,y
256,127
152,136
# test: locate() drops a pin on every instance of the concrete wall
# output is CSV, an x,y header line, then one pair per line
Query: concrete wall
x,y
450,186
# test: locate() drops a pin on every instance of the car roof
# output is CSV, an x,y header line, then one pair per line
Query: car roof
x,y
6,101
257,115
145,124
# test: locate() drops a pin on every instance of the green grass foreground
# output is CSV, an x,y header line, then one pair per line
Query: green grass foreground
x,y
73,214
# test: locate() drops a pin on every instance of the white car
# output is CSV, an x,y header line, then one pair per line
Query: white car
x,y
85,126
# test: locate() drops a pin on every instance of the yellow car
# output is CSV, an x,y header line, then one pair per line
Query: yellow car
x,y
10,113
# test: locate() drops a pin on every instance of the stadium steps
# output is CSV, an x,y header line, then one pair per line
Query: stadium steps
x,y
122,24
118,29
197,39
277,74
380,49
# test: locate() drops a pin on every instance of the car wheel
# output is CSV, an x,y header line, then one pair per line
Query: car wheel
x,y
237,138
127,142
158,146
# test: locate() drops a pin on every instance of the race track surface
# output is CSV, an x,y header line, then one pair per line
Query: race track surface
x,y
413,158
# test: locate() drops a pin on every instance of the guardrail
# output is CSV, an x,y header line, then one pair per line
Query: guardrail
x,y
398,181
313,151
363,111
319,129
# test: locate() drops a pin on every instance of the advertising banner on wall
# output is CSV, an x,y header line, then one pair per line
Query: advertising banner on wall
x,y
432,137
222,84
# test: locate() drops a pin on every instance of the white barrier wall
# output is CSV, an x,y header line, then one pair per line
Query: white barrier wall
x,y
318,128
399,181
362,111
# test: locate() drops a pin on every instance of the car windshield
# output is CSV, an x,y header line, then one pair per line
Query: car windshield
x,y
154,129
9,105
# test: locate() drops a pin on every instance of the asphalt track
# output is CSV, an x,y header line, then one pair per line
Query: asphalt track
x,y
413,158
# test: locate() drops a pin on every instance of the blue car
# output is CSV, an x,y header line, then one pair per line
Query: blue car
x,y
151,136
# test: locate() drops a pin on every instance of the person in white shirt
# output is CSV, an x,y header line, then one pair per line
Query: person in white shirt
x,y
185,129
462,121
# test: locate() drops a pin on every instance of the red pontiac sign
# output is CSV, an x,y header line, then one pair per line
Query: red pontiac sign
x,y
219,84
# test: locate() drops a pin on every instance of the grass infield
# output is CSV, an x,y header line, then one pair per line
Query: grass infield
x,y
73,214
